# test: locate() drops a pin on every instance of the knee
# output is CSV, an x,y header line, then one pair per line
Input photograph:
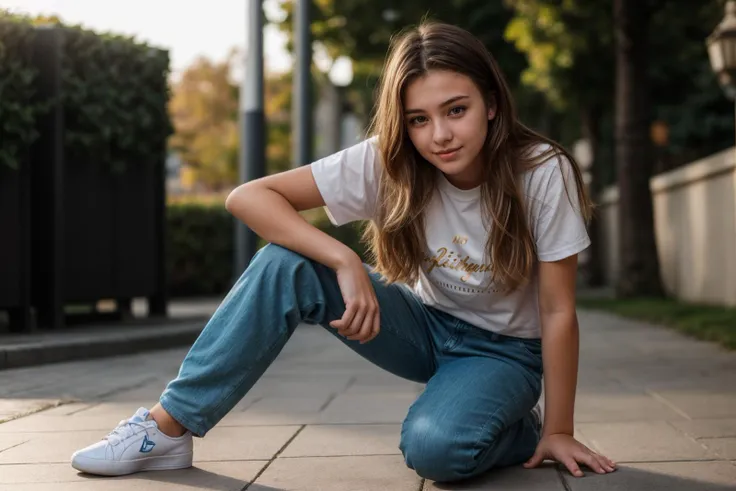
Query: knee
x,y
273,255
435,453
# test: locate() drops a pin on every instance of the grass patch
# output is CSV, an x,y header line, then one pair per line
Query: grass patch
x,y
706,322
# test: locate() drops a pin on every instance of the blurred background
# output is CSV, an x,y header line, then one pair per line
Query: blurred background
x,y
125,126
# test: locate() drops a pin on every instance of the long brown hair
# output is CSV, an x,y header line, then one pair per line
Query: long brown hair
x,y
396,237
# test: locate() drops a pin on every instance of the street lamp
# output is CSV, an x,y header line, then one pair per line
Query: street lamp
x,y
341,76
341,72
722,51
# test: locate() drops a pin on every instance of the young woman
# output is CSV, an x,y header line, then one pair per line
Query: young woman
x,y
475,226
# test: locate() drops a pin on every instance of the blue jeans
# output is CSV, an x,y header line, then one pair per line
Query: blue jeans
x,y
473,415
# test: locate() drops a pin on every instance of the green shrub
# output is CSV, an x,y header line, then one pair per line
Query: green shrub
x,y
18,110
200,250
115,94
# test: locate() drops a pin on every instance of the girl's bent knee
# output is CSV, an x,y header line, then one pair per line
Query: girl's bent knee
x,y
274,260
274,253
434,454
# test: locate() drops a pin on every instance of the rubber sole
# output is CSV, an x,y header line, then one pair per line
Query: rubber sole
x,y
113,468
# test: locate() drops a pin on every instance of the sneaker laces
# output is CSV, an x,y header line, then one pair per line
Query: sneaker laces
x,y
123,430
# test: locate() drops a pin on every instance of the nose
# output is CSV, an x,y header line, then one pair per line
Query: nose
x,y
442,132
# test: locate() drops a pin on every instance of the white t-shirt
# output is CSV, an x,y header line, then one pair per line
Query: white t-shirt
x,y
453,277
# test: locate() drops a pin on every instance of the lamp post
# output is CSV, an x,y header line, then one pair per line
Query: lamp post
x,y
302,118
341,76
252,158
722,51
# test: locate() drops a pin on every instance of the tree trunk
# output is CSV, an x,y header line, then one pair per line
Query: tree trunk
x,y
639,273
591,119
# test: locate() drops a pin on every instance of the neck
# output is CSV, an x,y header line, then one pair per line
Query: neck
x,y
470,178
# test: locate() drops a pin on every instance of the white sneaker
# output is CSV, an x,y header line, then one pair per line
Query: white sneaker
x,y
538,416
135,445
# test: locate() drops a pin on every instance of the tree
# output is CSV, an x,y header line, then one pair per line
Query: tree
x,y
204,112
570,50
277,96
562,41
639,273
685,94
362,30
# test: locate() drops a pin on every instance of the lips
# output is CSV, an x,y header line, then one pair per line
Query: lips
x,y
449,151
448,155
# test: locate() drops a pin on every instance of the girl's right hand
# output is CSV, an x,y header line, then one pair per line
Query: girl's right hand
x,y
361,320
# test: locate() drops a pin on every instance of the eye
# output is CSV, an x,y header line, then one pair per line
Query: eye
x,y
417,120
457,110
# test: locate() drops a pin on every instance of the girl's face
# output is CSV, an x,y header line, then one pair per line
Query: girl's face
x,y
447,121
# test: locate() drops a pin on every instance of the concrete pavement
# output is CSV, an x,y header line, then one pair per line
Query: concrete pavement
x,y
663,406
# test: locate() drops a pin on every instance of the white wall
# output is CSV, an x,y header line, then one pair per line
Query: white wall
x,y
695,222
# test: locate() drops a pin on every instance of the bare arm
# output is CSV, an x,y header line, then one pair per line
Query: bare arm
x,y
270,207
560,349
560,342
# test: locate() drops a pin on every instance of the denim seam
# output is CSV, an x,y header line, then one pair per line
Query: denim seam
x,y
453,341
477,446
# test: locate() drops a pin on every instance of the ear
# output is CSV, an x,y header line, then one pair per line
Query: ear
x,y
492,107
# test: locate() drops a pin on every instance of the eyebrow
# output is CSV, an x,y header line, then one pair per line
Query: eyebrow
x,y
446,103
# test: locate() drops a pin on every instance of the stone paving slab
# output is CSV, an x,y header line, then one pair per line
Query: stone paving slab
x,y
643,441
367,473
725,448
278,411
661,476
226,476
345,440
702,403
544,478
323,418
250,443
707,428
368,408
622,406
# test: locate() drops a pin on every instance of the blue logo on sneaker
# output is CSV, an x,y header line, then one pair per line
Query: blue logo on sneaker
x,y
147,445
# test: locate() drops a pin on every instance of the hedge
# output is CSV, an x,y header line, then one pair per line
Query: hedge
x,y
200,249
18,109
115,94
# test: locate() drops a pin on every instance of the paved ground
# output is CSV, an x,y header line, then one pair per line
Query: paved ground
x,y
661,405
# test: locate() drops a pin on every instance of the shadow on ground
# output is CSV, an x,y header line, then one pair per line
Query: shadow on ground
x,y
192,478
634,477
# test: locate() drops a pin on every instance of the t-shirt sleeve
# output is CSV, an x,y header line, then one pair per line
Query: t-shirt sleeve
x,y
557,223
348,182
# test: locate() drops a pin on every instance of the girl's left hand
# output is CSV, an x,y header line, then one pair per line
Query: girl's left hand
x,y
566,450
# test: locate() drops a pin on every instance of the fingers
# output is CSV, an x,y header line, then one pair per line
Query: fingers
x,y
366,327
376,324
591,460
594,461
360,321
372,324
355,324
572,466
605,462
536,459
570,453
343,323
